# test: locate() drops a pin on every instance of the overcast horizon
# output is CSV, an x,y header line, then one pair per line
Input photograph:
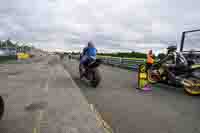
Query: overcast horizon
x,y
123,25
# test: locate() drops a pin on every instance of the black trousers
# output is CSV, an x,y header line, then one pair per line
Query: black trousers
x,y
148,65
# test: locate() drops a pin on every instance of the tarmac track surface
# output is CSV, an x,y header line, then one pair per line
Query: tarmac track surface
x,y
164,110
41,97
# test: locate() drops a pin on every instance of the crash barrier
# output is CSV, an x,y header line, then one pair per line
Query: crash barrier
x,y
129,63
23,56
142,77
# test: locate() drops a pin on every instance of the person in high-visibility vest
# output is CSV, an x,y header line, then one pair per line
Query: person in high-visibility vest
x,y
150,59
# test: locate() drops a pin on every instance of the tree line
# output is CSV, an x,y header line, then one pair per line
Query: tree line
x,y
8,44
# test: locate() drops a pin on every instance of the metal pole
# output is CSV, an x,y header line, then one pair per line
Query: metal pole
x,y
192,31
182,41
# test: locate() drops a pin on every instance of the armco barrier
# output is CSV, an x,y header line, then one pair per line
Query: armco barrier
x,y
131,63
128,63
122,62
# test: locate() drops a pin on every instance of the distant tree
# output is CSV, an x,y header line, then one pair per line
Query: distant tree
x,y
21,48
3,44
9,44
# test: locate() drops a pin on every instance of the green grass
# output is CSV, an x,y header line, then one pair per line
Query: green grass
x,y
9,62
15,62
7,59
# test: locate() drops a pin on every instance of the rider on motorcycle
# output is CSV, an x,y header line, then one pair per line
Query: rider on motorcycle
x,y
89,54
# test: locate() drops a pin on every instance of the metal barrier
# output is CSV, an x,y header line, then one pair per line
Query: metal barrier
x,y
128,63
123,62
131,63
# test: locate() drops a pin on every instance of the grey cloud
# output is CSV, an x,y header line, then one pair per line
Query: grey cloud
x,y
116,25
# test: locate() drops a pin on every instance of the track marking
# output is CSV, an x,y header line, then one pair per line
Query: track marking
x,y
100,121
38,121
34,130
70,77
46,88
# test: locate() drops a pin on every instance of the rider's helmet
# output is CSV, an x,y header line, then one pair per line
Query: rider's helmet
x,y
90,44
171,48
150,51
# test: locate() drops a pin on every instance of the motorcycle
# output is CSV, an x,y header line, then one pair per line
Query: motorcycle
x,y
91,72
187,77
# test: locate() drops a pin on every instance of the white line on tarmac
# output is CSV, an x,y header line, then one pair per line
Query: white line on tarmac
x,y
38,120
89,106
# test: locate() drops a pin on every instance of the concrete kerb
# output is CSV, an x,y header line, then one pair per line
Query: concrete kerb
x,y
107,128
101,121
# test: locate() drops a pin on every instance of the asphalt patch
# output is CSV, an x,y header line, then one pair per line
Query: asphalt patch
x,y
14,73
36,106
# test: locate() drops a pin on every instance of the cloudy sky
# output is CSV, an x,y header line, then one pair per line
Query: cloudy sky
x,y
113,25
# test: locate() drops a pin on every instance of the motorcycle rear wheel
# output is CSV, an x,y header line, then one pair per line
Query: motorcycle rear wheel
x,y
96,78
